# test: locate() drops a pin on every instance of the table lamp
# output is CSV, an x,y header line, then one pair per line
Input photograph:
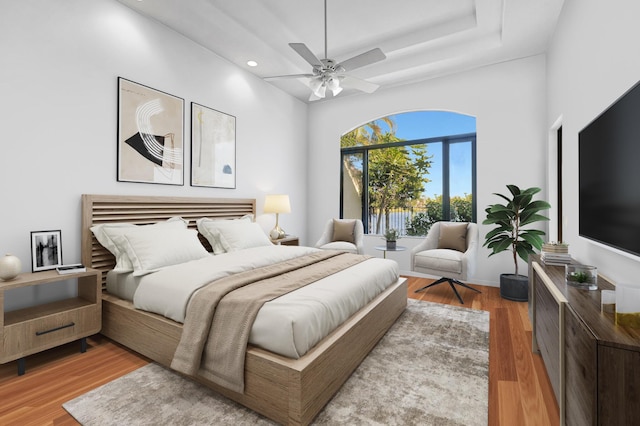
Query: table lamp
x,y
277,204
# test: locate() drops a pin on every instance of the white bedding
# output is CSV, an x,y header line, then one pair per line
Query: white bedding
x,y
289,325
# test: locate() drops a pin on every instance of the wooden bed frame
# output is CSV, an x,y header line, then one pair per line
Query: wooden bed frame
x,y
288,391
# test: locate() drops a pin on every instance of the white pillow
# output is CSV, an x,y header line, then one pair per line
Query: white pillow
x,y
209,228
105,234
152,249
242,235
232,235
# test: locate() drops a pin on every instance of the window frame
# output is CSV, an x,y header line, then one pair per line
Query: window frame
x,y
446,141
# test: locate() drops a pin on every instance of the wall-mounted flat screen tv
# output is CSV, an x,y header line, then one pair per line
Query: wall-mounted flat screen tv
x,y
609,181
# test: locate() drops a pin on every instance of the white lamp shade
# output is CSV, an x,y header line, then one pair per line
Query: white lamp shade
x,y
277,204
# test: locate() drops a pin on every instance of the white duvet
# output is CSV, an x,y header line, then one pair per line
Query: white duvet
x,y
289,325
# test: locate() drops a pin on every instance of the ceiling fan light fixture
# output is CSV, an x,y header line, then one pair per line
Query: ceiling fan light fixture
x,y
315,83
334,85
321,90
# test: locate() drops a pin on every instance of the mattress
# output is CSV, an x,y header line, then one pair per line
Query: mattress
x,y
289,325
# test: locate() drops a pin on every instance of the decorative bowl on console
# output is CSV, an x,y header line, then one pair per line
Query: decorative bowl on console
x,y
581,276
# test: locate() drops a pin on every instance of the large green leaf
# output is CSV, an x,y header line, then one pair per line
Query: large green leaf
x,y
537,205
514,190
532,239
521,200
524,253
499,208
532,208
498,217
533,218
502,245
536,231
507,199
533,190
494,232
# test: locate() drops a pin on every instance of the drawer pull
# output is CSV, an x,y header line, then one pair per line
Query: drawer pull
x,y
40,333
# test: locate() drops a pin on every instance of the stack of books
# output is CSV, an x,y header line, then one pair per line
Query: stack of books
x,y
555,254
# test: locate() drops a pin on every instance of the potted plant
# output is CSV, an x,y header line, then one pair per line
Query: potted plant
x,y
391,235
510,234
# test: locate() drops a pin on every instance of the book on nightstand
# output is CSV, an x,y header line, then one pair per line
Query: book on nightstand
x,y
71,269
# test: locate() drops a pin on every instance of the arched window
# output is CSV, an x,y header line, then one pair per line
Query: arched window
x,y
407,171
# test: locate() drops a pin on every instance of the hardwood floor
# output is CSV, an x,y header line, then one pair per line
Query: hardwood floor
x,y
519,390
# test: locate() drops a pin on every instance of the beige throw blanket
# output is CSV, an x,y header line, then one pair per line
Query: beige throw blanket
x,y
220,315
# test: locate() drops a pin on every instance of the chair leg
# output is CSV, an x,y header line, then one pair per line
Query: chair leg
x,y
451,282
439,281
465,285
455,290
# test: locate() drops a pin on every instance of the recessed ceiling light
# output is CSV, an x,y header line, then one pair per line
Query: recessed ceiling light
x,y
252,63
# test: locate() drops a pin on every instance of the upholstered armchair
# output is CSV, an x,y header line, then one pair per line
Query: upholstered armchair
x,y
343,234
449,251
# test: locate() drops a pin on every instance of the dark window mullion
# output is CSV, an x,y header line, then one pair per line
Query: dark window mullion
x,y
474,206
365,190
446,199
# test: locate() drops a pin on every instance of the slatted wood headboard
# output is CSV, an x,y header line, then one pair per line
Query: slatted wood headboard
x,y
143,210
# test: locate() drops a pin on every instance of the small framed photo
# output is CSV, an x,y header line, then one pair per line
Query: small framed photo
x,y
46,250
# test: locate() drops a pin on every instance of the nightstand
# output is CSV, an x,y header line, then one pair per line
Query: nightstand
x,y
34,329
289,240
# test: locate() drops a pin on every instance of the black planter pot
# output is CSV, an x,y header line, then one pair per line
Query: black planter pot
x,y
391,245
514,287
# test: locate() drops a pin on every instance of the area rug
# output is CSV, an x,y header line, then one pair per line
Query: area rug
x,y
431,368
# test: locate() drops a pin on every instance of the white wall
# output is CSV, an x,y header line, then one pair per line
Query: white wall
x,y
508,101
593,60
58,85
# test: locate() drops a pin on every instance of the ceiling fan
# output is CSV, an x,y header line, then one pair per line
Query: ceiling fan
x,y
329,74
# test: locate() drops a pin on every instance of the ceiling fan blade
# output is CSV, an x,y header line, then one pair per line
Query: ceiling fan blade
x,y
307,54
358,84
366,58
279,77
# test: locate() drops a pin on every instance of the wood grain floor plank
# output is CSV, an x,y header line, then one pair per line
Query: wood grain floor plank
x,y
547,390
532,401
509,402
62,373
523,309
503,347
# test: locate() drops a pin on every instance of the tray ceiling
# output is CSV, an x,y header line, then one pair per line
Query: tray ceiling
x,y
422,39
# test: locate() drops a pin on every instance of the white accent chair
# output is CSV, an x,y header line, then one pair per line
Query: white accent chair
x,y
434,255
335,239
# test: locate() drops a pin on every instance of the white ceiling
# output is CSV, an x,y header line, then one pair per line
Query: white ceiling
x,y
422,39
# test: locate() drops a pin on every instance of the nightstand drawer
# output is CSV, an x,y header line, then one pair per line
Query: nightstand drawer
x,y
34,335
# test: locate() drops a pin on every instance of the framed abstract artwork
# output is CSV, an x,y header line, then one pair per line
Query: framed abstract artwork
x,y
46,250
150,135
213,148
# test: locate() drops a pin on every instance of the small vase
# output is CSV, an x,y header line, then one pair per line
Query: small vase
x,y
391,245
10,267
